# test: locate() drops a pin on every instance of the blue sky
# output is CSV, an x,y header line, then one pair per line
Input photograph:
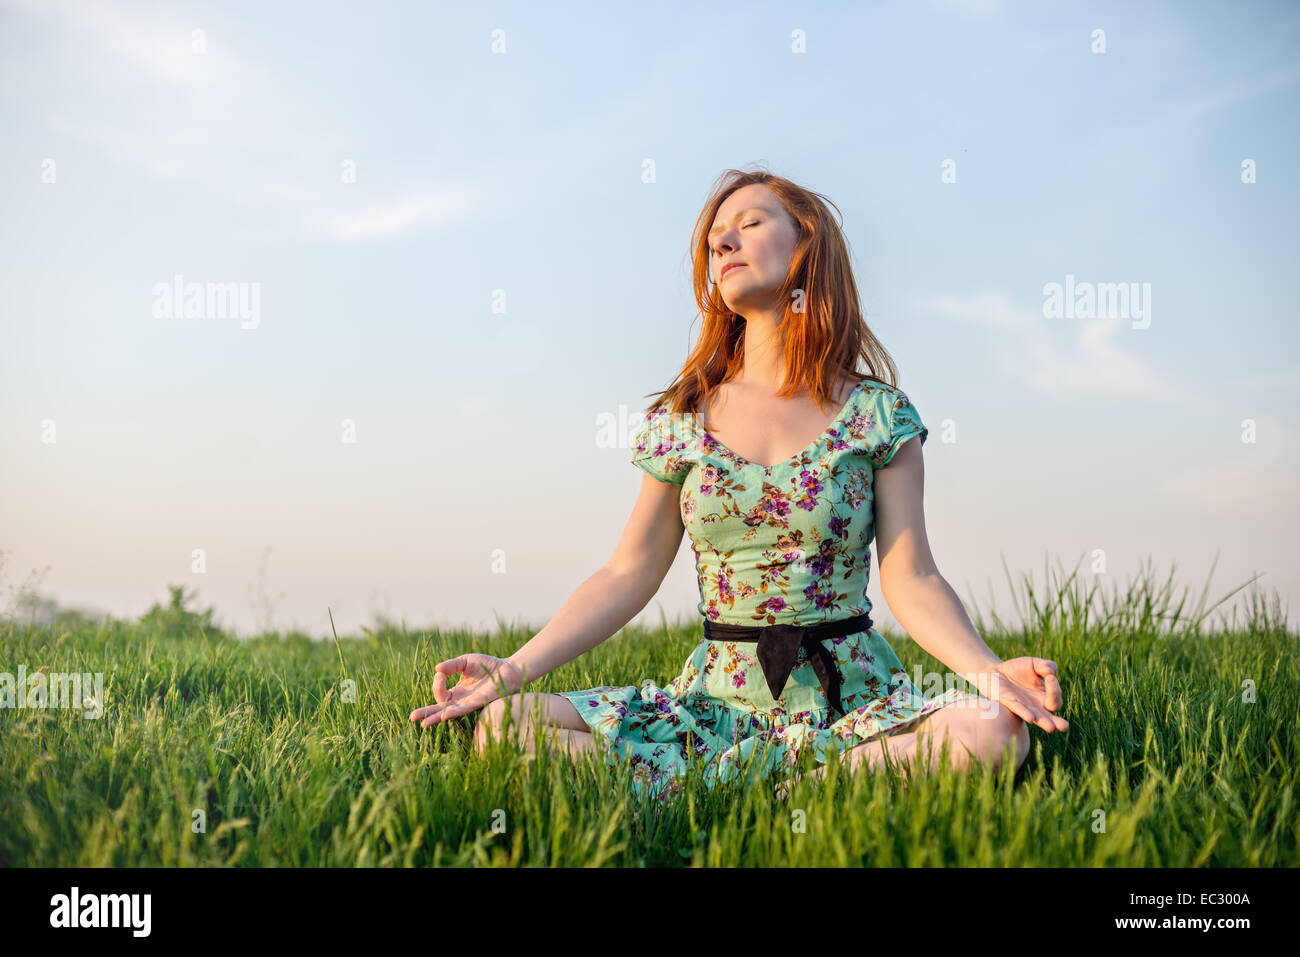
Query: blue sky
x,y
516,176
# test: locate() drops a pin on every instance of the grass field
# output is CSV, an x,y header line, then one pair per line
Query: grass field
x,y
1182,751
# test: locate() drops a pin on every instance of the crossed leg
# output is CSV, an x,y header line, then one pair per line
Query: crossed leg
x,y
985,732
530,716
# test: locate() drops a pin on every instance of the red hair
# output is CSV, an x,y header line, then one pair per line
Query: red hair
x,y
822,344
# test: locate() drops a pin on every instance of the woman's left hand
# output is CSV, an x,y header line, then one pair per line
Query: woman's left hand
x,y
1028,687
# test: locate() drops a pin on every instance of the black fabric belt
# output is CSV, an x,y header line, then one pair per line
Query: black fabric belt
x,y
778,645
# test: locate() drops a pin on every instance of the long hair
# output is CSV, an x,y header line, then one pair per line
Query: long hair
x,y
822,340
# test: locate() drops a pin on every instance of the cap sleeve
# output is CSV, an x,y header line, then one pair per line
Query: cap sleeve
x,y
661,446
900,422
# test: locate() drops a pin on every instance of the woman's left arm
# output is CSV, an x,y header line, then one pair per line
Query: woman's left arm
x,y
930,611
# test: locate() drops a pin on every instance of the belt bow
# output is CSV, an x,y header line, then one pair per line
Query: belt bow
x,y
778,647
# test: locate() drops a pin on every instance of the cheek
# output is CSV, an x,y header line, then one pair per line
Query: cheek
x,y
767,259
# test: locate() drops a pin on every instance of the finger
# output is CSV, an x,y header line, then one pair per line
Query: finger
x,y
448,713
451,666
440,693
466,705
1039,717
1046,669
424,712
1016,707
444,712
1029,715
1050,722
1051,693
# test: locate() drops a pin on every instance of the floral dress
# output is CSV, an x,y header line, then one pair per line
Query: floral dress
x,y
780,544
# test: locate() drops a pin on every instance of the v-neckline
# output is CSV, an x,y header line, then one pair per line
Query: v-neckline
x,y
848,403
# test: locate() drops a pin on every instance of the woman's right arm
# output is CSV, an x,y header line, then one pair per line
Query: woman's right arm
x,y
598,608
613,596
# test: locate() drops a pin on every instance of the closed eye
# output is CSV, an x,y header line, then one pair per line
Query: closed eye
x,y
746,226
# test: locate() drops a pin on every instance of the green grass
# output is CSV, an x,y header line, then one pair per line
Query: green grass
x,y
256,734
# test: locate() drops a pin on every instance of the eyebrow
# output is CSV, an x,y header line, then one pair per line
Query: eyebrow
x,y
750,209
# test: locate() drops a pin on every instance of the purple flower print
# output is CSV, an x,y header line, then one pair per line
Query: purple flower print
x,y
793,555
819,598
839,526
822,565
778,507
737,679
810,482
674,787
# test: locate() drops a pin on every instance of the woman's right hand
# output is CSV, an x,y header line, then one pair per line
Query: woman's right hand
x,y
484,678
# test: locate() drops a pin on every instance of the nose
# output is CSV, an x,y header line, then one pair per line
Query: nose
x,y
719,253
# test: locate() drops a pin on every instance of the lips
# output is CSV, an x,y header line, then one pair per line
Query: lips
x,y
728,267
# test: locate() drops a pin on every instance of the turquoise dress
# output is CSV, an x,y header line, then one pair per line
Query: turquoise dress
x,y
781,544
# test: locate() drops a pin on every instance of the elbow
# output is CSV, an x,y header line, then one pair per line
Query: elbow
x,y
897,584
637,578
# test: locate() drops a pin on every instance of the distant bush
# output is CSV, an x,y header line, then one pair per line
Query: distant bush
x,y
176,620
29,608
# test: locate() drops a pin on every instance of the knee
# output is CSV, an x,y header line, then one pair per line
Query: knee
x,y
1011,737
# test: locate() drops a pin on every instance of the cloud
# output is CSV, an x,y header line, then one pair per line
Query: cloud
x,y
1096,364
1056,356
1201,105
988,307
418,210
145,41
263,143
1256,480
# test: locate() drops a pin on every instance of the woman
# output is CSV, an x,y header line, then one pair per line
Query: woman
x,y
779,547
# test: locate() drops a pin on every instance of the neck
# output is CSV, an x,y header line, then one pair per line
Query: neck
x,y
763,363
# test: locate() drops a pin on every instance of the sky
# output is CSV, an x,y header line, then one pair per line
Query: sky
x,y
459,240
